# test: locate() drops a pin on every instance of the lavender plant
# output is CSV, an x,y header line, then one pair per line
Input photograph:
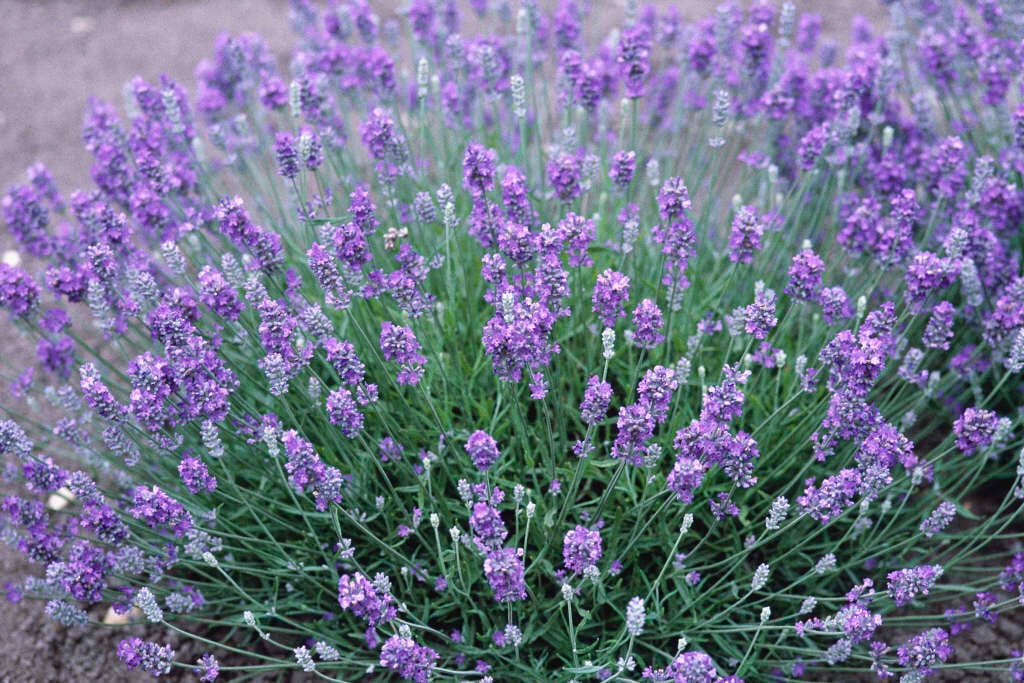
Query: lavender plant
x,y
688,353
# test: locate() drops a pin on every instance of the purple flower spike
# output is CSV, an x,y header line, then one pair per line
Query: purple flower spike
x,y
399,344
482,449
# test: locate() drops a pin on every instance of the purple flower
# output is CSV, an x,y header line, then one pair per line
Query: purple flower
x,y
634,58
564,174
581,549
160,511
759,316
367,599
362,209
578,232
196,476
207,668
655,391
482,449
42,476
805,276
152,658
489,530
686,477
623,167
939,332
596,399
924,650
218,294
399,344
836,494
515,195
27,219
835,305
647,324
1011,578
635,428
478,169
611,293
975,430
505,573
518,337
926,274
724,401
939,519
673,200
687,667
287,155
410,661
19,293
343,411
382,139
307,472
906,584
745,235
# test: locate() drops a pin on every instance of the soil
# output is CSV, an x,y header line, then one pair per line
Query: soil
x,y
54,55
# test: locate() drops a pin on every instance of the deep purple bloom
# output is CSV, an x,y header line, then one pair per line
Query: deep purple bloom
x,y
515,196
924,650
745,235
218,294
160,511
596,399
307,473
835,305
410,661
152,658
505,573
686,477
939,332
196,476
564,174
673,200
207,668
635,427
724,401
759,316
399,344
489,530
578,232
518,338
836,494
623,167
805,276
478,169
655,391
687,667
906,584
611,293
647,324
19,293
343,411
634,58
975,430
287,155
581,548
482,449
362,597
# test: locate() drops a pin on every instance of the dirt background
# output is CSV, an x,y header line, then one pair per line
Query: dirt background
x,y
54,54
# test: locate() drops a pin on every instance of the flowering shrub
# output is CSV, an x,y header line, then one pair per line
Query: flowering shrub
x,y
467,368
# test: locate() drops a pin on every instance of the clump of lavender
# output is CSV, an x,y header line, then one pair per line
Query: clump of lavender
x,y
462,369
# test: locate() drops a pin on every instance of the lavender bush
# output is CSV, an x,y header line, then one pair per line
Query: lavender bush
x,y
690,354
